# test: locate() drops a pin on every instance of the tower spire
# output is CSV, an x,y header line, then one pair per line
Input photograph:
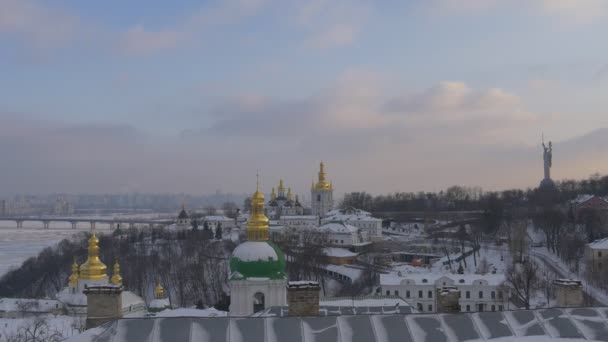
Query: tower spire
x,y
73,280
93,268
257,226
159,291
116,278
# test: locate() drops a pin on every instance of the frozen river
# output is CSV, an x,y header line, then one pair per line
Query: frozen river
x,y
16,245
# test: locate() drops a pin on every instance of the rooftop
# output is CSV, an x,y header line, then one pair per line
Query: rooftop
x,y
599,244
576,324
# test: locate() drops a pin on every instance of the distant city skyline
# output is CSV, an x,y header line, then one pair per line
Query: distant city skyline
x,y
410,96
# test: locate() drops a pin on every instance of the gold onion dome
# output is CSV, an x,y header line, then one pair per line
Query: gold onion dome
x,y
93,268
281,187
257,226
322,183
273,195
73,280
159,291
289,194
116,278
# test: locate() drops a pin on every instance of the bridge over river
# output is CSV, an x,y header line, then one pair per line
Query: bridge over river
x,y
112,223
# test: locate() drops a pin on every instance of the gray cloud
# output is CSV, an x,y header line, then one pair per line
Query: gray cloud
x,y
427,140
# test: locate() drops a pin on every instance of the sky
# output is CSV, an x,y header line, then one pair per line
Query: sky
x,y
199,96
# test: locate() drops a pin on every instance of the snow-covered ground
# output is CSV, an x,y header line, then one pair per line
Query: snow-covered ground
x,y
65,326
494,257
543,255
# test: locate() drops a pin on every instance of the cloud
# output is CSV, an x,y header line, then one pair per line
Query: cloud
x,y
330,24
39,26
139,40
580,11
569,11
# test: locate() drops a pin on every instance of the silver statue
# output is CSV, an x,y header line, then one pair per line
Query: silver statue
x,y
547,157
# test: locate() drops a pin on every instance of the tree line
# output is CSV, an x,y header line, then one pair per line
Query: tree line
x,y
192,265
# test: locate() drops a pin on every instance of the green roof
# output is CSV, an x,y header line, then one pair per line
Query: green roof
x,y
271,268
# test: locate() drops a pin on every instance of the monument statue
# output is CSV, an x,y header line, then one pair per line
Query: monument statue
x,y
547,158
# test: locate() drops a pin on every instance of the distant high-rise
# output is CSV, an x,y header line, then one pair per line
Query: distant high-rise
x,y
322,194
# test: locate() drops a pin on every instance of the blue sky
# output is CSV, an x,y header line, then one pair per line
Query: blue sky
x,y
239,85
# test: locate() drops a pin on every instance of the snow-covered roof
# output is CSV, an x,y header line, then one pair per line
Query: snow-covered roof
x,y
189,312
350,214
159,304
599,244
338,227
255,251
580,199
217,218
338,252
299,217
542,325
435,278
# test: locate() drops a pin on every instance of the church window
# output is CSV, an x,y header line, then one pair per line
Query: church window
x,y
419,294
407,294
258,302
318,198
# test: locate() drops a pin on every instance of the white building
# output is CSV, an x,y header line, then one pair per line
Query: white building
x,y
476,292
358,218
299,221
322,194
257,279
341,234
215,220
183,219
283,204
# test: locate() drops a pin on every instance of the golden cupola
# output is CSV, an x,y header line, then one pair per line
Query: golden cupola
x,y
281,188
257,225
159,291
322,183
273,195
116,278
93,268
289,196
73,280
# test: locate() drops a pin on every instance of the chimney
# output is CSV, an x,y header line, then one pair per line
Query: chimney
x,y
447,300
303,298
569,292
104,304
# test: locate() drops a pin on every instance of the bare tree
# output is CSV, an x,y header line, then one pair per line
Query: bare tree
x,y
230,209
518,239
525,279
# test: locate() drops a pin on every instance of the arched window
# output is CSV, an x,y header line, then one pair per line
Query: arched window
x,y
258,302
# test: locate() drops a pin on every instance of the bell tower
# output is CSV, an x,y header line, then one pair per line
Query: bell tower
x,y
322,194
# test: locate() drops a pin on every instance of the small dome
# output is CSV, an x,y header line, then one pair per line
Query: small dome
x,y
257,259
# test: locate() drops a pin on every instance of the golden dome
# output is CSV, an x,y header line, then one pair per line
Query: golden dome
x,y
159,292
322,183
273,195
281,187
73,280
93,268
116,278
257,225
289,194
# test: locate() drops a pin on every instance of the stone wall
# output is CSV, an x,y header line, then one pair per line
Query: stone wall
x,y
303,298
569,292
104,304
